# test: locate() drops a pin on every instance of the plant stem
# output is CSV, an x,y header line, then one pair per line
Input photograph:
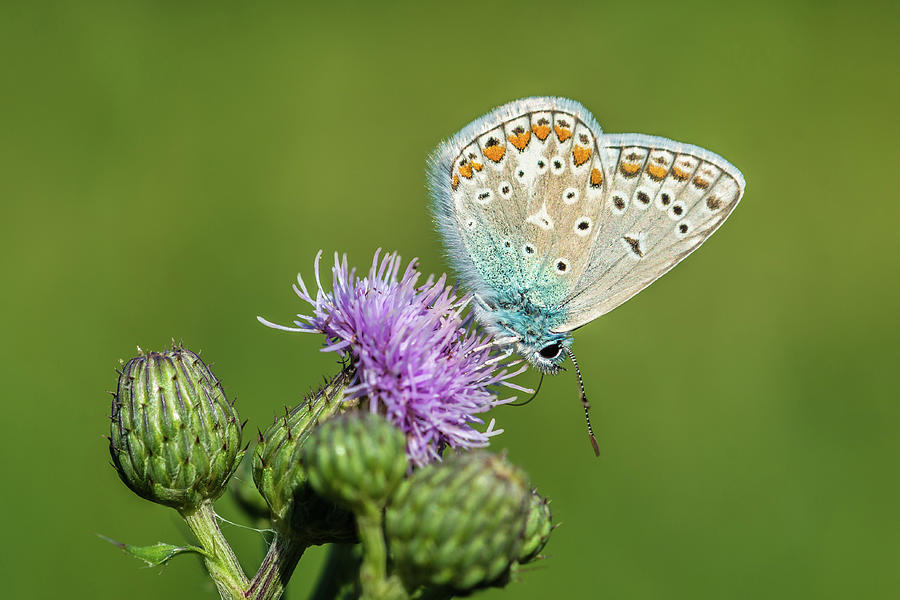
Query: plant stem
x,y
374,564
222,564
276,569
373,571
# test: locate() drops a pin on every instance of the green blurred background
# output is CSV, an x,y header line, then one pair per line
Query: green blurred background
x,y
167,168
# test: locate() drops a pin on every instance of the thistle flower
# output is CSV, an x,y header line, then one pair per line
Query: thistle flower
x,y
419,362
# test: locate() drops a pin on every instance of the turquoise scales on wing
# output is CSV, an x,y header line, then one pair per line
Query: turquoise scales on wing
x,y
552,223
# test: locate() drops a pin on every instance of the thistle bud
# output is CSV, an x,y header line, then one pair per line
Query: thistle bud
x,y
356,460
296,509
459,524
174,439
537,528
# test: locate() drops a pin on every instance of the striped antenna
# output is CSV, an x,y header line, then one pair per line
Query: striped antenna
x,y
584,402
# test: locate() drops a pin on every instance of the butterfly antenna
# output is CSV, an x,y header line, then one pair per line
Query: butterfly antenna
x,y
584,402
533,396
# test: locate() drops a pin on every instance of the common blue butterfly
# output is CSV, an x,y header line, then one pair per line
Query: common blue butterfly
x,y
551,223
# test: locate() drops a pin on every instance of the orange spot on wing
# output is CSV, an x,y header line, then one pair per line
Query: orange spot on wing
x,y
596,177
700,183
656,172
466,170
541,131
680,174
454,183
495,153
520,140
629,169
477,166
562,133
580,155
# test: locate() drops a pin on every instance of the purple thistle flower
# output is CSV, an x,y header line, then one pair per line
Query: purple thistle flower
x,y
417,359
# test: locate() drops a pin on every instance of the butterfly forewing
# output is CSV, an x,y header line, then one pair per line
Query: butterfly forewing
x,y
664,200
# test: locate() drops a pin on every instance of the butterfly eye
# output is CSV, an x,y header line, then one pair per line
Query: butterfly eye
x,y
550,352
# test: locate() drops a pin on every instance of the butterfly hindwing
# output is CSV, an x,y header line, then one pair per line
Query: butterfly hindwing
x,y
498,186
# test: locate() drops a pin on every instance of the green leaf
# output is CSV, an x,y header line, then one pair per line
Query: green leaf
x,y
157,554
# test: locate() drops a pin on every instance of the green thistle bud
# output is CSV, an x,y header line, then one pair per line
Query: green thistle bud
x,y
459,524
537,528
356,460
174,439
279,475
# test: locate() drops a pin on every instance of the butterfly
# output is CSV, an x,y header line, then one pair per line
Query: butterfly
x,y
552,223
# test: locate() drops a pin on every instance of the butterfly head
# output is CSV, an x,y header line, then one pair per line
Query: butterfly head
x,y
532,328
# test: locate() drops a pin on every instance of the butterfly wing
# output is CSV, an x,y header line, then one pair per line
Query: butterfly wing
x,y
506,186
661,200
536,204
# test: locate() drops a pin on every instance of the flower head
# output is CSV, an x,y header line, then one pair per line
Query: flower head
x,y
419,362
175,439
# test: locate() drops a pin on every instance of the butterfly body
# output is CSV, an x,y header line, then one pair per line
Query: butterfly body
x,y
531,324
552,223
